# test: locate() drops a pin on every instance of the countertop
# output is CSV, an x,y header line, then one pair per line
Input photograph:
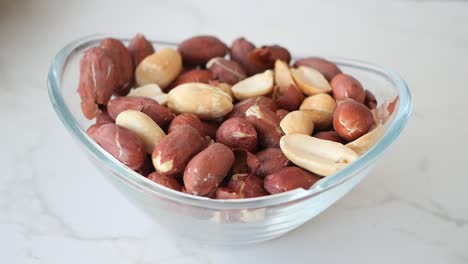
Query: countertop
x,y
412,208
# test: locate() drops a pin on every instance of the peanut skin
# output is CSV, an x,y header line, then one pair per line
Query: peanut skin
x,y
329,135
176,149
98,80
266,122
199,50
121,143
147,167
241,107
239,52
160,114
196,75
327,68
271,160
281,113
123,61
187,120
226,193
264,58
345,86
352,120
237,133
104,117
226,71
291,99
370,101
207,169
247,186
210,128
289,178
244,162
139,48
165,180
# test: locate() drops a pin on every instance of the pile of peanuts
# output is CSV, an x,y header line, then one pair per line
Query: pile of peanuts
x,y
226,127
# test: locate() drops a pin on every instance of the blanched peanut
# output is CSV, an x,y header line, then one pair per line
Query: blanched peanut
x,y
322,157
160,68
310,81
203,100
367,141
283,78
319,102
298,122
257,85
152,91
143,126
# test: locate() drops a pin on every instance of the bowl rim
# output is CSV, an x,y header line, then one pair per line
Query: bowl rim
x,y
130,177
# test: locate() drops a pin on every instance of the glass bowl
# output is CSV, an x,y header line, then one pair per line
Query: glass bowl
x,y
224,222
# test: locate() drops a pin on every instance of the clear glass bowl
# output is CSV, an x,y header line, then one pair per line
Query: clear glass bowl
x,y
224,222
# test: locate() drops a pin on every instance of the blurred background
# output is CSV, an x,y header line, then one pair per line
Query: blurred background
x,y
55,208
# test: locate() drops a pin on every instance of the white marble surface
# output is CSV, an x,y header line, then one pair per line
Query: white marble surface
x,y
413,208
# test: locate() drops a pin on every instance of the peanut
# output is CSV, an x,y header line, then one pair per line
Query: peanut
x,y
327,68
263,58
176,149
257,85
271,160
207,169
222,86
143,126
147,168
99,78
289,178
244,162
247,186
329,135
241,107
237,133
104,117
324,106
121,143
322,157
352,120
310,81
203,100
319,102
281,113
370,101
227,71
123,61
165,180
283,78
200,49
210,128
345,86
160,68
140,48
226,193
187,120
239,52
367,141
160,114
152,91
298,122
266,122
290,99
196,75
